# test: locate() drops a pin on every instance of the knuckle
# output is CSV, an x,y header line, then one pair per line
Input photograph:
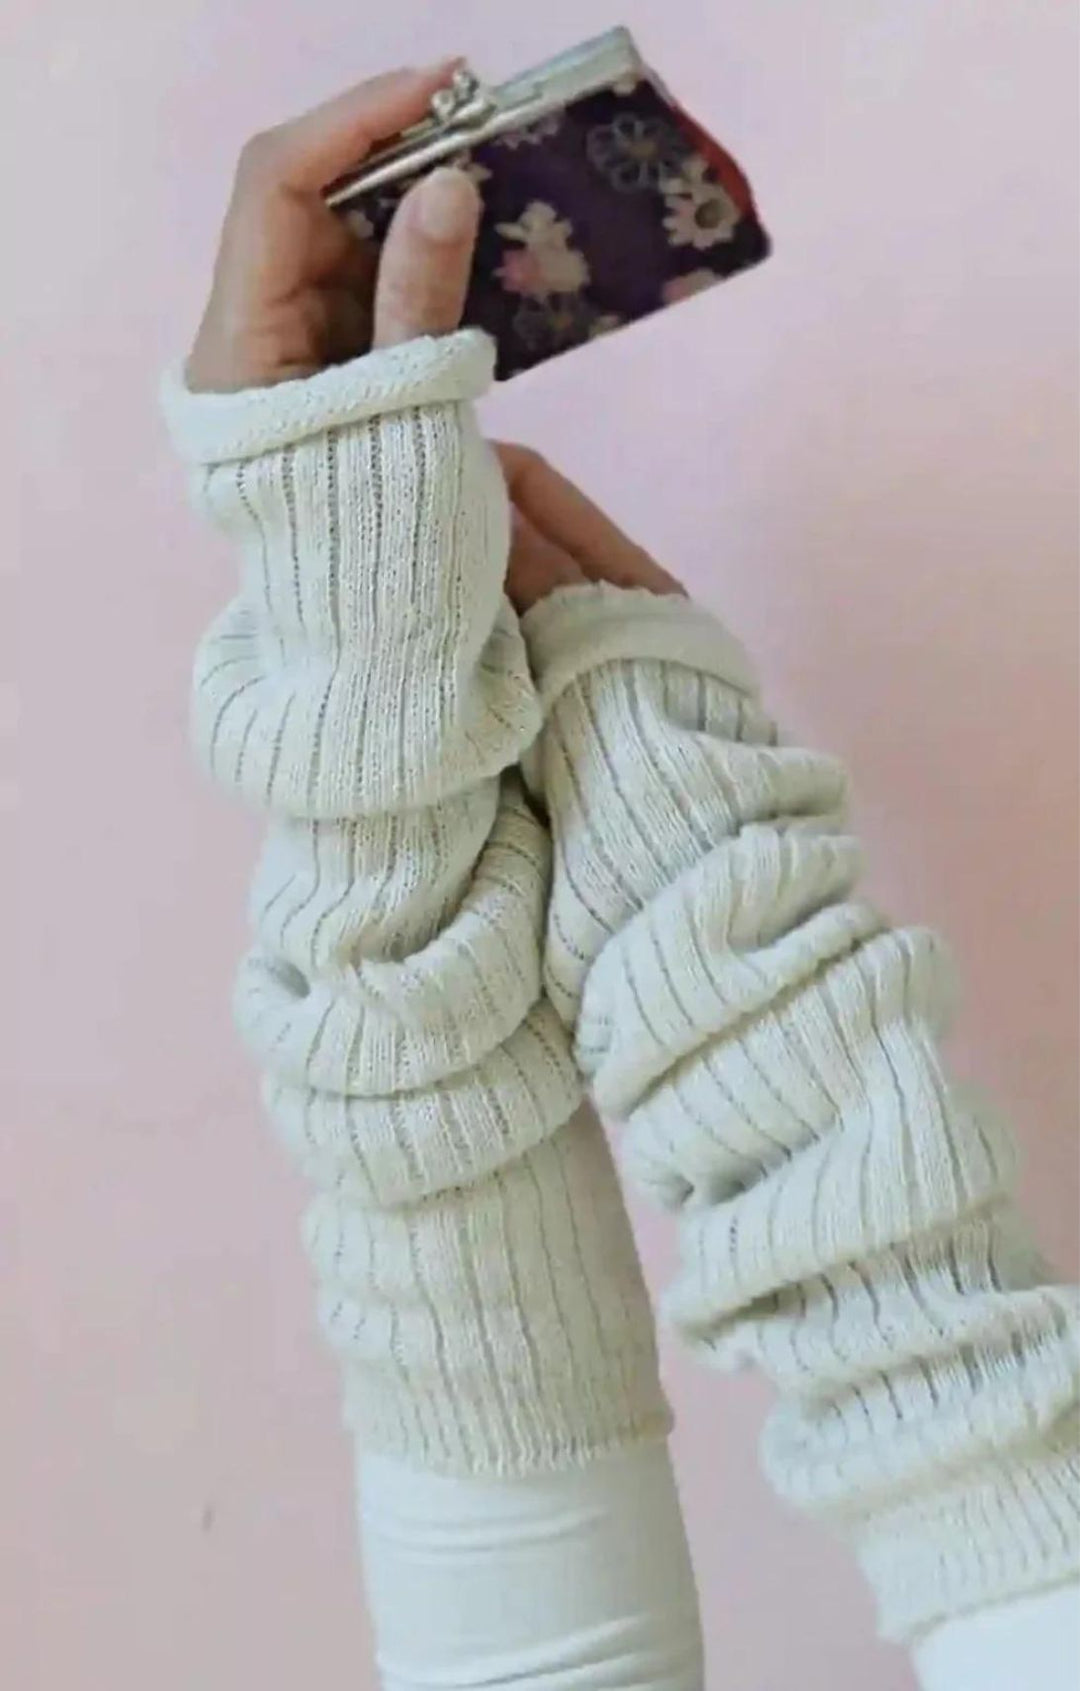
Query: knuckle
x,y
397,298
416,298
313,313
521,465
530,458
257,155
526,460
532,467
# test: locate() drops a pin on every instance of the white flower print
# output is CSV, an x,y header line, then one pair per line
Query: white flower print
x,y
549,325
384,201
358,223
531,134
635,152
553,324
682,287
700,212
545,263
479,173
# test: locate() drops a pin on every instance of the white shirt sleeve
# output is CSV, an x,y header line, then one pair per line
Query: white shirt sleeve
x,y
1032,1641
577,1580
581,1580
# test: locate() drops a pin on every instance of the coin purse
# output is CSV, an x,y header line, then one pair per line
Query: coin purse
x,y
603,201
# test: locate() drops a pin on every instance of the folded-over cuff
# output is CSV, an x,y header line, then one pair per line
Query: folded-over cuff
x,y
215,428
577,628
983,1540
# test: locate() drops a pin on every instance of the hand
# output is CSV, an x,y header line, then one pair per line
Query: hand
x,y
561,538
293,288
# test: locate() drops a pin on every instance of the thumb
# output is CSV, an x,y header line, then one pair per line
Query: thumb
x,y
427,258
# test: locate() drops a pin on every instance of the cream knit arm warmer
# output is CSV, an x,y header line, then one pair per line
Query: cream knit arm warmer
x,y
771,1042
368,688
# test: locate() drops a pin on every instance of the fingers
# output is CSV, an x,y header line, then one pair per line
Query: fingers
x,y
354,266
569,519
427,258
307,153
347,330
537,566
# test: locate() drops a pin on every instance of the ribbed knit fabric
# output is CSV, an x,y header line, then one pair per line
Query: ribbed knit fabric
x,y
771,1042
368,688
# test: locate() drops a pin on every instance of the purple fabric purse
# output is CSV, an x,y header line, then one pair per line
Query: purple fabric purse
x,y
603,200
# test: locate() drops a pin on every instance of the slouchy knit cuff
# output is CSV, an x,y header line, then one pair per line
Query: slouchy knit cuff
x,y
575,629
214,428
367,687
770,1042
1010,1530
371,661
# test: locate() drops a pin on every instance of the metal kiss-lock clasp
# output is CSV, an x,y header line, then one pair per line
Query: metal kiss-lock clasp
x,y
456,114
463,101
468,111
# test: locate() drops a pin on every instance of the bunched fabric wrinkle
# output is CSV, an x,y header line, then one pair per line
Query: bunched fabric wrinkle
x,y
772,1043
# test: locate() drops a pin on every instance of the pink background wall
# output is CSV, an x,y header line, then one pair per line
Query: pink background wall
x,y
864,454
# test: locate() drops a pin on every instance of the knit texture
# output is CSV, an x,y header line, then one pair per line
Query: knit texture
x,y
772,1043
368,688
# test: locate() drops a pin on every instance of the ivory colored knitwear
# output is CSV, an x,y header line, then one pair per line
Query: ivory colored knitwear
x,y
368,688
771,1041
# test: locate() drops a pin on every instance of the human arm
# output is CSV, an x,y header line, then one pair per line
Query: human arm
x,y
367,689
772,1043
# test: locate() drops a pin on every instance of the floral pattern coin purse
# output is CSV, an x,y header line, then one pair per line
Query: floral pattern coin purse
x,y
603,200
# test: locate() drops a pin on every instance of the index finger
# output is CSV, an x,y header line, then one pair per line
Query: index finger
x,y
569,518
309,152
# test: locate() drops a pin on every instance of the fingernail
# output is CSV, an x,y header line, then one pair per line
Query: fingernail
x,y
444,68
446,205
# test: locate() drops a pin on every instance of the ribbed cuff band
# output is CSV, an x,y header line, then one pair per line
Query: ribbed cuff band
x,y
979,1542
576,628
215,428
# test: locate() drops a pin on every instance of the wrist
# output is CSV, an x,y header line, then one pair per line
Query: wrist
x,y
577,628
216,424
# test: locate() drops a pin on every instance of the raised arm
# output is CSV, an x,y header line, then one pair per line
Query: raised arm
x,y
772,1042
367,688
